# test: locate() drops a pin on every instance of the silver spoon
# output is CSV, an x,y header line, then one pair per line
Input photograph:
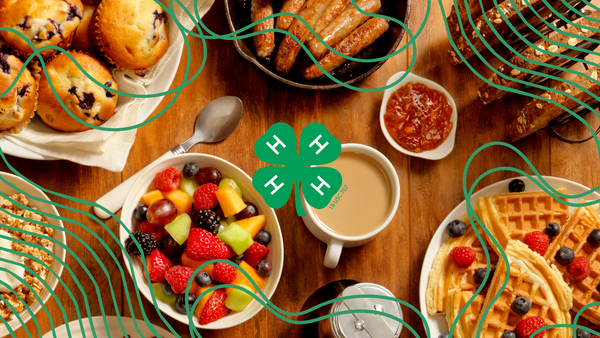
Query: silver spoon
x,y
216,121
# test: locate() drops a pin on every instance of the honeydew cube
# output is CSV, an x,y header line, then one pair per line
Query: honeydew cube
x,y
238,238
238,300
151,197
253,224
231,202
179,228
230,182
188,185
162,296
183,202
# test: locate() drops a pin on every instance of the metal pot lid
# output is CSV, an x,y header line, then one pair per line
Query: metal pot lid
x,y
366,325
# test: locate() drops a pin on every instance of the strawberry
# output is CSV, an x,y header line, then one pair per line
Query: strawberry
x,y
215,308
224,273
202,245
146,227
205,197
580,268
178,277
255,253
158,264
462,256
538,242
529,325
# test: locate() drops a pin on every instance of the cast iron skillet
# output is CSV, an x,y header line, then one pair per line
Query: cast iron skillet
x,y
238,16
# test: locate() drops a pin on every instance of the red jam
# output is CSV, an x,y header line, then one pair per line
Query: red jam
x,y
418,117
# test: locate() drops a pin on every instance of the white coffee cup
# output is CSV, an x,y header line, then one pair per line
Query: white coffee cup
x,y
335,242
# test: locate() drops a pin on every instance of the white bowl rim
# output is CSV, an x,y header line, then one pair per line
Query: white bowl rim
x,y
189,157
448,144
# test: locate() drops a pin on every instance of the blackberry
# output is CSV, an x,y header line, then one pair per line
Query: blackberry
x,y
207,220
147,242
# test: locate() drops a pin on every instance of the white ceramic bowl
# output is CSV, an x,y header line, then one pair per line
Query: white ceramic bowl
x,y
446,147
145,183
27,189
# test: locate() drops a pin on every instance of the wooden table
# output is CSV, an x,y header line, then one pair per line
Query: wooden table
x,y
430,189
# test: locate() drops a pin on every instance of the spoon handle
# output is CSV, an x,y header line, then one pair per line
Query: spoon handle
x,y
114,199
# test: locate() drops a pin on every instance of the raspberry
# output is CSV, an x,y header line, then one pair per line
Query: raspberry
x,y
167,180
580,268
528,326
462,256
538,242
224,273
255,254
205,197
178,277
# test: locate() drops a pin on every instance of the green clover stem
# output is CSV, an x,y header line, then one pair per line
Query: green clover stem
x,y
299,207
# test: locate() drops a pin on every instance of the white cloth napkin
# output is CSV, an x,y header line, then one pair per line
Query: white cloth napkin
x,y
109,150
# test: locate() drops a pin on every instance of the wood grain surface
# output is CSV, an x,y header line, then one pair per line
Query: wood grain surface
x,y
430,189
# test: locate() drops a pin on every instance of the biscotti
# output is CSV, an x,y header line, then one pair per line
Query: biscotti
x,y
462,14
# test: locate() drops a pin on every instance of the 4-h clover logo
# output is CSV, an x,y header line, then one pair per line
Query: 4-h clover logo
x,y
317,147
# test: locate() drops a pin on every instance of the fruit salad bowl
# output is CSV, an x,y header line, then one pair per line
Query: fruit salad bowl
x,y
130,215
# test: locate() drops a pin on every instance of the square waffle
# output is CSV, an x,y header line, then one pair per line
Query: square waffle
x,y
530,277
574,235
457,299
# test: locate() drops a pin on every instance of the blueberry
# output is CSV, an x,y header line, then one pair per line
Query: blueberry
x,y
552,229
480,275
263,237
521,306
564,256
166,287
509,334
456,228
594,238
180,302
203,279
583,334
237,259
443,335
264,268
516,186
190,170
140,212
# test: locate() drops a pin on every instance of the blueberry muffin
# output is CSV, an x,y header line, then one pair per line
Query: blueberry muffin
x,y
17,107
86,100
81,42
132,35
44,23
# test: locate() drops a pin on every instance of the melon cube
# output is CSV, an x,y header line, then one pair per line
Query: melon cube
x,y
182,201
160,295
238,300
194,264
188,185
238,238
253,224
203,301
231,202
242,280
151,197
179,229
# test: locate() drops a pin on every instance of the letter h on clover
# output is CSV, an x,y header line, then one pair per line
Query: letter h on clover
x,y
278,147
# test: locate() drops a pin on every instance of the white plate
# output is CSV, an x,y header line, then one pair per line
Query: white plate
x,y
437,324
113,329
162,84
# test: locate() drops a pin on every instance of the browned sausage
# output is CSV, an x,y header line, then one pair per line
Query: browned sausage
x,y
333,11
358,40
264,43
339,28
289,6
289,48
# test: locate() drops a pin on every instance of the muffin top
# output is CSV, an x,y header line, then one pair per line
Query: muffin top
x,y
81,42
18,104
44,23
83,97
132,34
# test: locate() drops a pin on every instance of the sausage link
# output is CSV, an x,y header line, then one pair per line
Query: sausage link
x,y
333,11
263,43
289,48
339,28
358,40
289,6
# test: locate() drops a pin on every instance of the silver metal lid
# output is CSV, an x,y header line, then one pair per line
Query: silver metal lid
x,y
366,325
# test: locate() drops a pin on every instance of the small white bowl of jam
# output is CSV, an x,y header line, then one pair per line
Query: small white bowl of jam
x,y
418,117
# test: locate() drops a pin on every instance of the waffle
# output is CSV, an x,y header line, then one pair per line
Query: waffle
x,y
445,276
457,299
574,235
530,277
513,215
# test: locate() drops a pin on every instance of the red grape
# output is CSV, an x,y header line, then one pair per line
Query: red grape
x,y
161,212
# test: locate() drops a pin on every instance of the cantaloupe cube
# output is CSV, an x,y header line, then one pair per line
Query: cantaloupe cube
x,y
182,201
242,280
203,301
151,197
230,201
194,264
253,224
